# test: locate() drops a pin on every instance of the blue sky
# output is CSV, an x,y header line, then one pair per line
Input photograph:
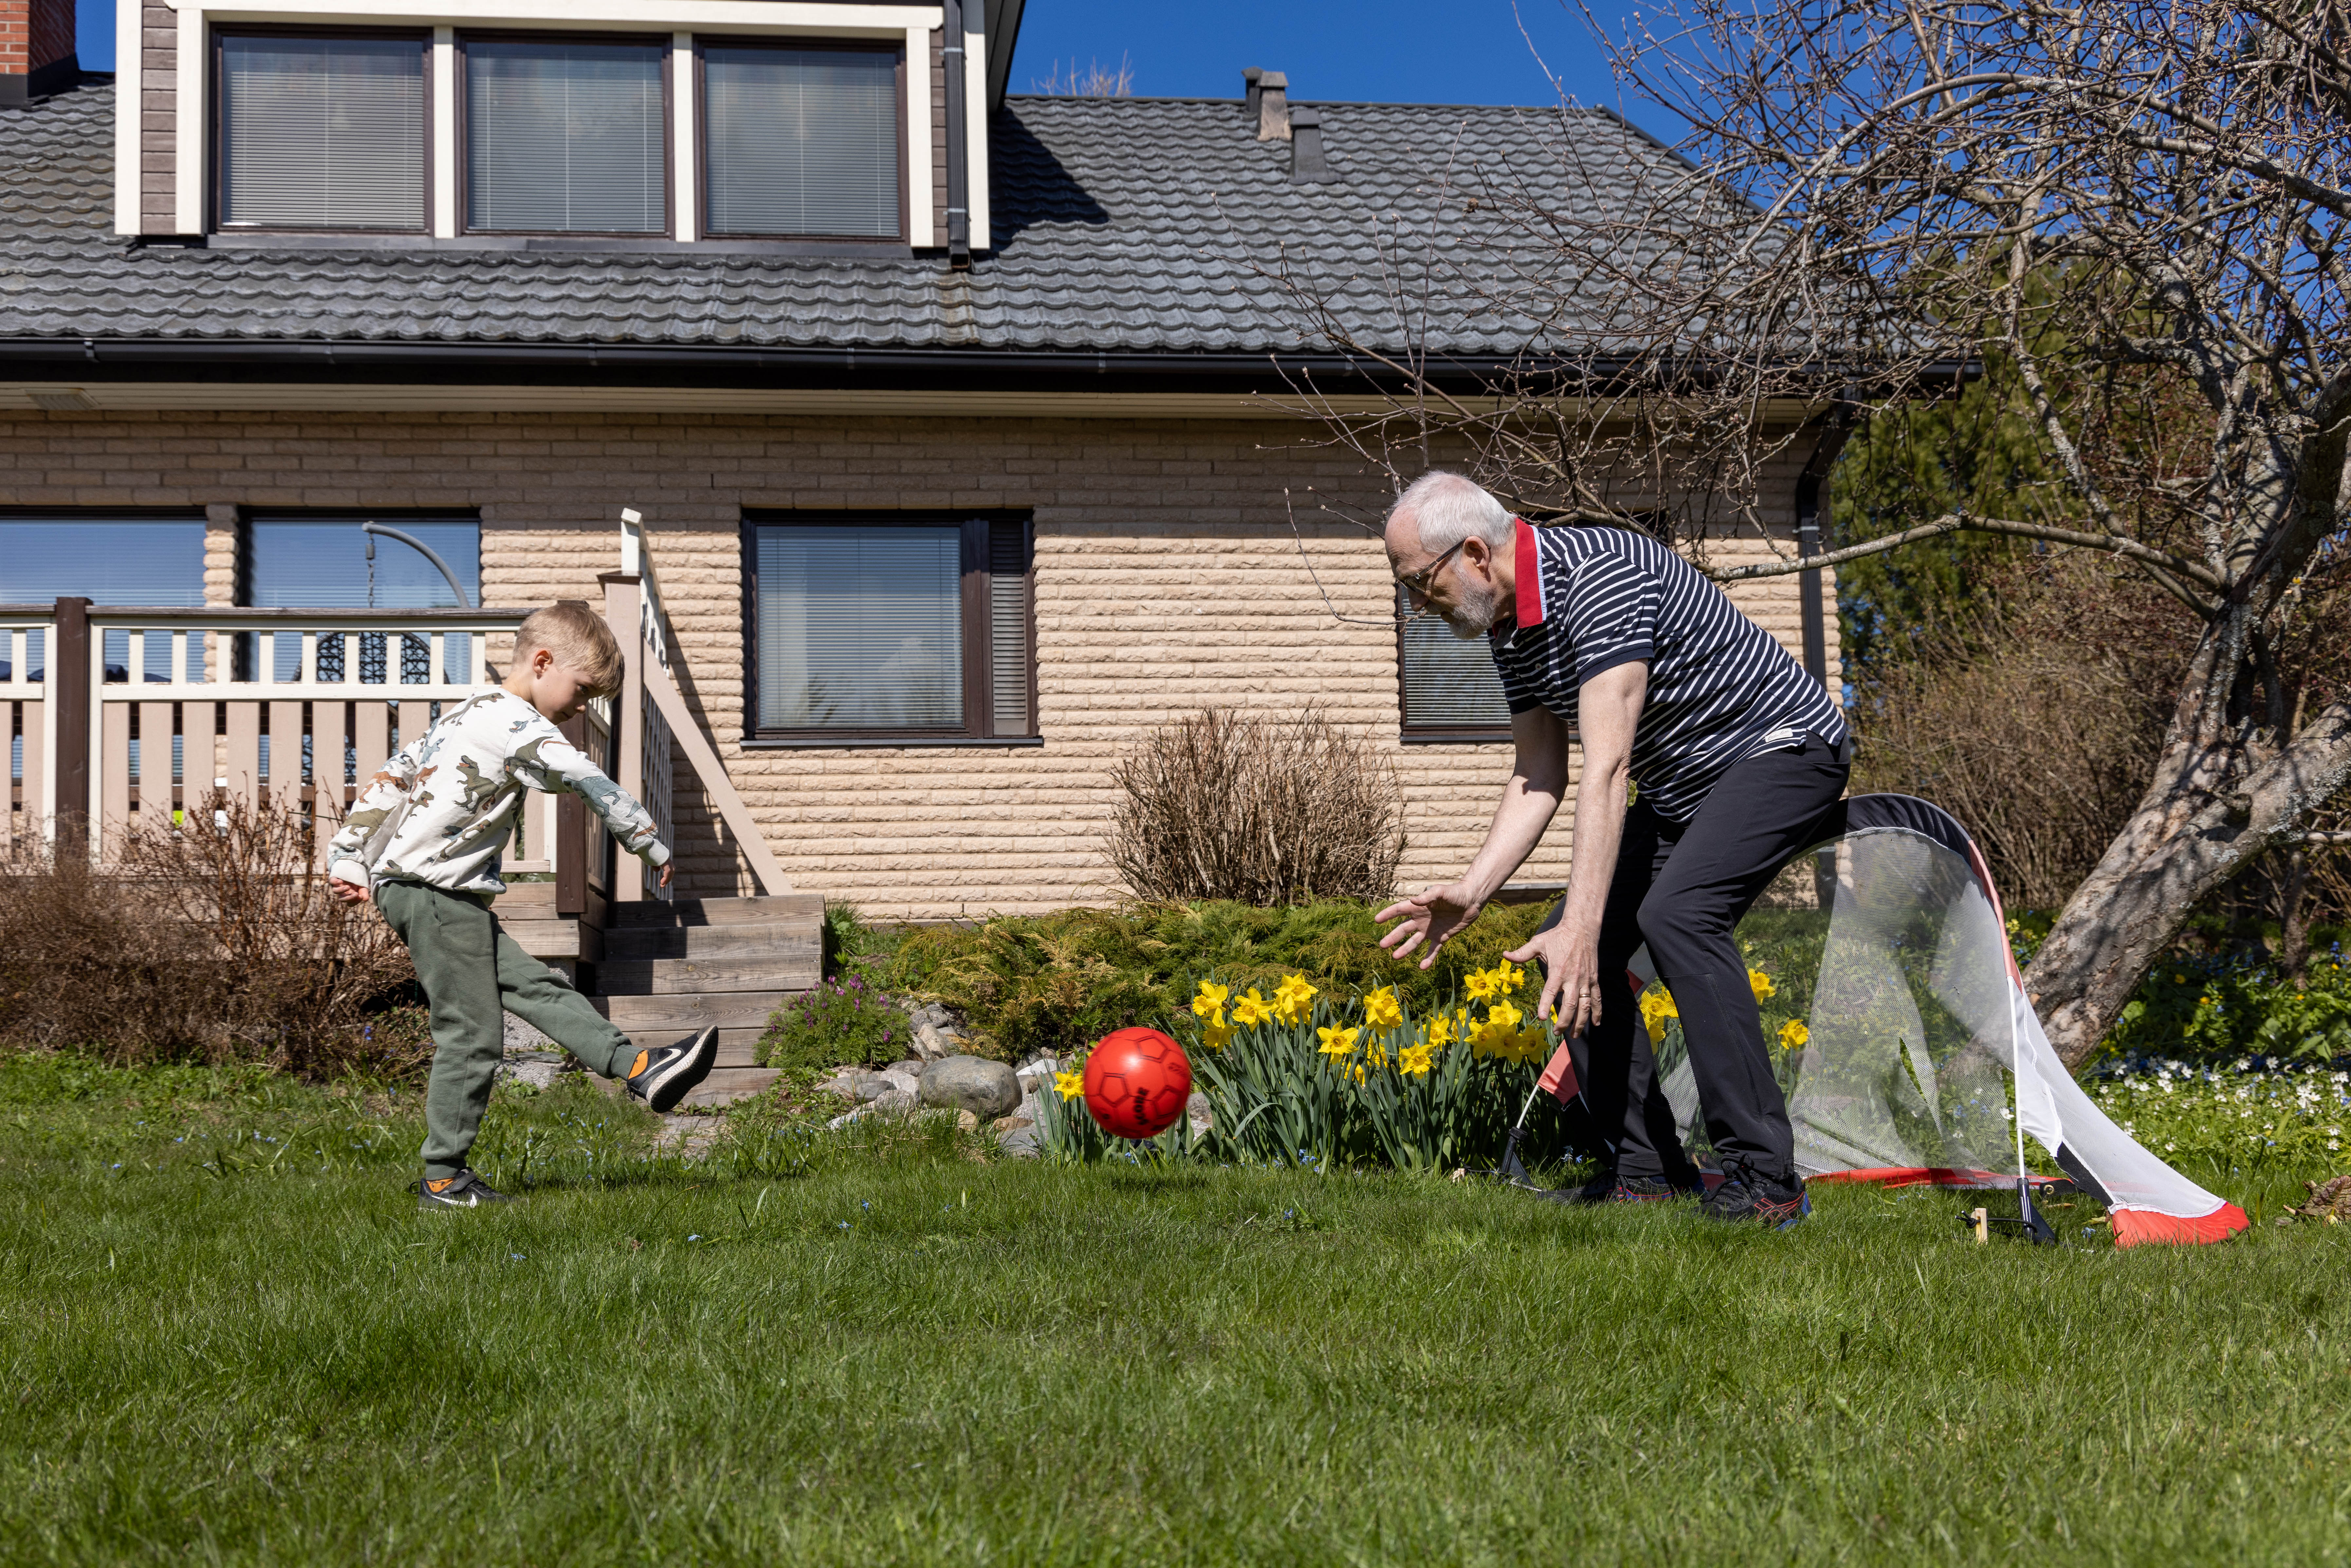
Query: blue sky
x,y
1466,51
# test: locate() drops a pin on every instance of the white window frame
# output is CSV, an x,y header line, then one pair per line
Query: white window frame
x,y
910,26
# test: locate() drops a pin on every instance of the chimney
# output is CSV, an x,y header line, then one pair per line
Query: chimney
x,y
36,49
1307,165
1269,102
1249,78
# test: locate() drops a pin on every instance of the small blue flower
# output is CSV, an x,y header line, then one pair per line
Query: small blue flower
x,y
844,1225
694,1238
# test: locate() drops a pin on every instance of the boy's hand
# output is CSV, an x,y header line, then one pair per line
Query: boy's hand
x,y
348,891
664,880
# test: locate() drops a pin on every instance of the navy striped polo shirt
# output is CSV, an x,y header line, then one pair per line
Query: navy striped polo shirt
x,y
1721,689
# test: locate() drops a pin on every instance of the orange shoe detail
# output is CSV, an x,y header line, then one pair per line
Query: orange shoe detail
x,y
441,1185
643,1058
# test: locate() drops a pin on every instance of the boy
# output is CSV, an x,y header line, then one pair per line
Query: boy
x,y
425,834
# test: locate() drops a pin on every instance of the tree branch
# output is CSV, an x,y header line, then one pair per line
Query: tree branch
x,y
1961,522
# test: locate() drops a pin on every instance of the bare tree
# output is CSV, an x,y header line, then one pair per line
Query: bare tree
x,y
1097,80
2120,200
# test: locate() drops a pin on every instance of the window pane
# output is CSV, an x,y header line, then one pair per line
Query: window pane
x,y
564,137
1007,627
1449,682
316,563
803,142
322,133
859,628
105,560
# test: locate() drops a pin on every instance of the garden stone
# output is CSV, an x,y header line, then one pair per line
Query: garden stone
x,y
985,1089
539,1069
1036,1072
1018,1138
521,1037
905,1076
899,1100
936,1034
1204,1116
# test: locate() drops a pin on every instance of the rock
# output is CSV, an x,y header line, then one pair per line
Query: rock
x,y
905,1076
967,1122
985,1089
937,1034
539,1069
1036,1074
1020,1140
852,1084
899,1100
1203,1115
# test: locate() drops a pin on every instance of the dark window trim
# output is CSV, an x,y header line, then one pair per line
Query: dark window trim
x,y
974,580
465,130
702,230
216,165
1411,734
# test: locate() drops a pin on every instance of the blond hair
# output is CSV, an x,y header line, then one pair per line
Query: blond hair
x,y
577,638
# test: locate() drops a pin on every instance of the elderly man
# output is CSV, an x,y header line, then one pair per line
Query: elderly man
x,y
1737,754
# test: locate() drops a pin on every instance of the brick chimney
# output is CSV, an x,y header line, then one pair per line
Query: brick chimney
x,y
36,49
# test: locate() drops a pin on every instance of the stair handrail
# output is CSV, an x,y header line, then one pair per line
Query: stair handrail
x,y
632,608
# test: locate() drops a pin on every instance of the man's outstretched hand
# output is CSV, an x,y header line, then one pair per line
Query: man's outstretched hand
x,y
1571,985
1434,917
348,891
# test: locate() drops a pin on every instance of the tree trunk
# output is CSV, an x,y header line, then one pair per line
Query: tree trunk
x,y
2293,919
2180,843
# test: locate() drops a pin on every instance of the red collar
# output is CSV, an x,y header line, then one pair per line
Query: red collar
x,y
1527,565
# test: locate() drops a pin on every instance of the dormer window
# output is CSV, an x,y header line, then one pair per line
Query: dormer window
x,y
322,133
802,142
566,137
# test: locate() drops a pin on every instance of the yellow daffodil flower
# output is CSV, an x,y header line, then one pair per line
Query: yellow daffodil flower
x,y
1381,1010
1417,1060
1217,1035
1761,984
1211,998
1069,1085
1794,1034
1656,1007
1251,1009
1337,1041
1290,998
1440,1031
1508,976
1481,984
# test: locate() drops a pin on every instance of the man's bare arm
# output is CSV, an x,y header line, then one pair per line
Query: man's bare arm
x,y
1608,708
1537,782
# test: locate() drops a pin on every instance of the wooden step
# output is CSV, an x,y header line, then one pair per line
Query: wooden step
x,y
799,943
672,977
683,911
727,1009
736,1047
556,938
727,1084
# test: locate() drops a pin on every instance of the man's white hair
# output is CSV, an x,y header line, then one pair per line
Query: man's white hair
x,y
1449,508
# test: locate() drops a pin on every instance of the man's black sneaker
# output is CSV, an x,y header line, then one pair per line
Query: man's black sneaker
x,y
663,1075
1610,1188
463,1190
1780,1202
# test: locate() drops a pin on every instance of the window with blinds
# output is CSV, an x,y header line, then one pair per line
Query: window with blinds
x,y
800,142
1448,687
907,628
322,133
564,137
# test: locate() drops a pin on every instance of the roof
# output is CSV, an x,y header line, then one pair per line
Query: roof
x,y
1128,226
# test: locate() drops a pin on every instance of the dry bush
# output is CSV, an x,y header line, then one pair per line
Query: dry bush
x,y
1258,811
2034,718
216,940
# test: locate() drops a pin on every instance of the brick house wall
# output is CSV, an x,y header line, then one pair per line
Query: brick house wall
x,y
1168,578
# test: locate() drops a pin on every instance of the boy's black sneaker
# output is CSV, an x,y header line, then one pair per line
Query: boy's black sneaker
x,y
663,1075
463,1190
1610,1188
1780,1202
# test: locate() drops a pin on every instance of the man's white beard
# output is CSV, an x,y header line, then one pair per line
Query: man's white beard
x,y
1480,607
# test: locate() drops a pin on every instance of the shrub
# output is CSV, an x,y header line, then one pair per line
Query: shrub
x,y
214,940
1223,806
842,1022
1057,982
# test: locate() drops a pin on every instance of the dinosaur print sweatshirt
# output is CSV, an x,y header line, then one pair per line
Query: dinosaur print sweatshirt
x,y
443,808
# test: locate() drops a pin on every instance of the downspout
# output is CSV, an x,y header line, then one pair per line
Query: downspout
x,y
1809,485
958,141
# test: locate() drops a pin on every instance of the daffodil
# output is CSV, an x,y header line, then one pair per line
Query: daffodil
x,y
1508,976
1070,1086
1440,1031
1794,1034
1534,1045
1417,1060
1211,998
1761,984
1291,997
1337,1041
1656,1007
1251,1009
1217,1035
1481,985
1381,1010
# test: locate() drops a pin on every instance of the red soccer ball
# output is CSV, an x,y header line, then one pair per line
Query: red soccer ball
x,y
1137,1081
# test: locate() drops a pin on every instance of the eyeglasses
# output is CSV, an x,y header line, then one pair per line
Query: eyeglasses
x,y
1421,582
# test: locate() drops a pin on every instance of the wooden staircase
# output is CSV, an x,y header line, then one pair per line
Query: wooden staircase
x,y
666,970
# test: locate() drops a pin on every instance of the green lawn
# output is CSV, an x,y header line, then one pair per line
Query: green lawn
x,y
230,1337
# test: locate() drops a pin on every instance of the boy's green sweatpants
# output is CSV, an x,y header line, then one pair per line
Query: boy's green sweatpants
x,y
473,972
